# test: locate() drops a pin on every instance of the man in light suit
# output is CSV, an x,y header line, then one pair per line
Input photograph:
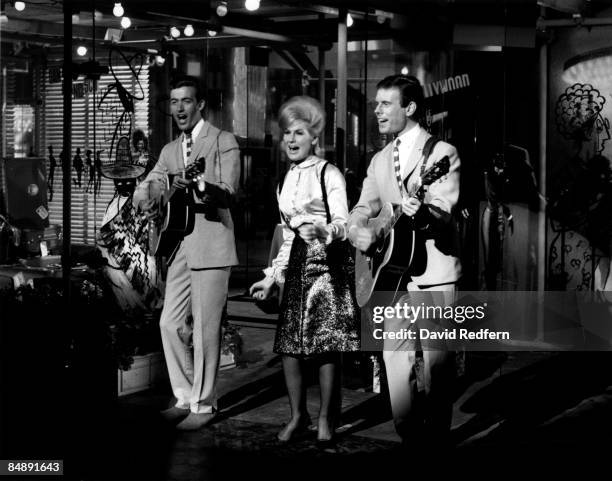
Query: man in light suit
x,y
399,102
198,274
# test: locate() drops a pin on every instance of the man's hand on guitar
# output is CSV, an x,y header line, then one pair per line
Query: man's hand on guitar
x,y
263,289
361,237
151,209
411,206
180,183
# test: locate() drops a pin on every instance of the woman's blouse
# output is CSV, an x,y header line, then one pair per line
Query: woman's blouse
x,y
301,201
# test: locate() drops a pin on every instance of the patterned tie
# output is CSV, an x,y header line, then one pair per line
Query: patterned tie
x,y
189,144
396,164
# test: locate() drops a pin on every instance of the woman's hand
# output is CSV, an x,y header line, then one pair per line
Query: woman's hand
x,y
325,233
311,232
263,289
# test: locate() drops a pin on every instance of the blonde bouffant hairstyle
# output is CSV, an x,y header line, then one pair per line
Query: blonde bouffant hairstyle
x,y
302,108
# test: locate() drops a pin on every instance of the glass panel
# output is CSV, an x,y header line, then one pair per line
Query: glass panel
x,y
23,128
579,165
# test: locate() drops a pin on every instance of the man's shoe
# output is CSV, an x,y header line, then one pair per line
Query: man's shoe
x,y
174,413
195,421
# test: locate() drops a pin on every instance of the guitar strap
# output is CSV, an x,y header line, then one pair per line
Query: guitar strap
x,y
430,143
218,156
278,193
323,192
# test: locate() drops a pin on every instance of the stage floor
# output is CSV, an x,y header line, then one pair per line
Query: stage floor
x,y
553,409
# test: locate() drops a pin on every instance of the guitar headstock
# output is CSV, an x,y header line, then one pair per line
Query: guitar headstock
x,y
436,171
195,168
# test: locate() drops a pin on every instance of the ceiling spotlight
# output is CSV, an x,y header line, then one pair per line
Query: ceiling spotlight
x,y
349,20
212,33
19,6
175,32
81,50
118,10
222,9
159,60
251,5
405,70
188,31
126,22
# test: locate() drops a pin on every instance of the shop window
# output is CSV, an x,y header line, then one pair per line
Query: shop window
x,y
23,130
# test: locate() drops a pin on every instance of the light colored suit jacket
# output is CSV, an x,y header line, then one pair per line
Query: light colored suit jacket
x,y
212,243
380,186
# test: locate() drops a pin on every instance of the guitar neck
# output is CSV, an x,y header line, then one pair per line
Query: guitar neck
x,y
397,213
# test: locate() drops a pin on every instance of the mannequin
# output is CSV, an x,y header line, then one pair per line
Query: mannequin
x,y
123,242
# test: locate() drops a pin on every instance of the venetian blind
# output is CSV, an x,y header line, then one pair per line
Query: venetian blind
x,y
88,209
8,112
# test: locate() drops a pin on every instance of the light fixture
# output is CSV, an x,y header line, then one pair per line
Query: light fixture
x,y
81,50
160,60
3,18
188,31
175,32
222,9
20,6
98,15
404,70
349,20
126,22
251,5
593,68
212,33
118,10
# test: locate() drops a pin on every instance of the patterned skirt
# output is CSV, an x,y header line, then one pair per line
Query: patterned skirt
x,y
318,312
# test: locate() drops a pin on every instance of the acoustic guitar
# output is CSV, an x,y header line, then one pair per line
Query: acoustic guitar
x,y
398,251
175,218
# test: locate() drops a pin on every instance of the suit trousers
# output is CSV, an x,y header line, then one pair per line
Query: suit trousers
x,y
202,293
432,419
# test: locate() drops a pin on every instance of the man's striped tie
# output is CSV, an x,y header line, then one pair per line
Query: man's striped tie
x,y
396,164
189,144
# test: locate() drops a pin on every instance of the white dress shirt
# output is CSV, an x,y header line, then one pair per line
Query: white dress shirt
x,y
301,201
194,135
406,146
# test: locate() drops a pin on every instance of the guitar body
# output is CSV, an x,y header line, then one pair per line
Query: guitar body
x,y
408,251
176,218
177,222
400,248
387,261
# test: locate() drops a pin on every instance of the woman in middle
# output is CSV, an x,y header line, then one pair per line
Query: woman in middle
x,y
319,317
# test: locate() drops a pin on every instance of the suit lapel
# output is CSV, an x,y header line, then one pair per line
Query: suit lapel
x,y
389,181
205,141
178,146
